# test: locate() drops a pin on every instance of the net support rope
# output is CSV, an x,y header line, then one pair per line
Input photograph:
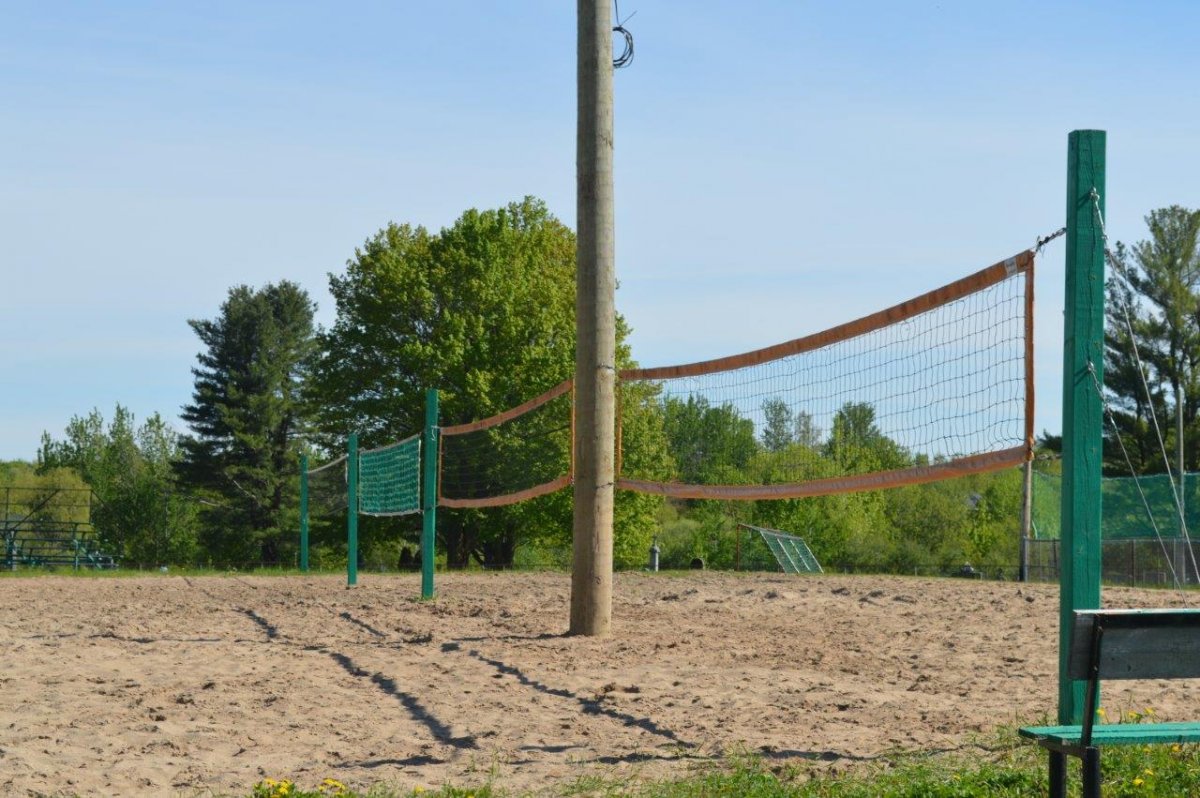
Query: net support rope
x,y
956,402
1108,412
314,471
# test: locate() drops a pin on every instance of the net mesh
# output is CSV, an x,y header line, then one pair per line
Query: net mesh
x,y
1124,514
516,455
327,492
933,388
389,478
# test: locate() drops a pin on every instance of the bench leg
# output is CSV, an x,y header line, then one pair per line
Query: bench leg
x,y
1058,774
1091,773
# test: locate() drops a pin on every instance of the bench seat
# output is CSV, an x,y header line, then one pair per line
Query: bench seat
x,y
1119,644
1063,737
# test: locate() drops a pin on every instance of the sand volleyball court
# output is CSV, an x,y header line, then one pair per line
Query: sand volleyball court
x,y
184,685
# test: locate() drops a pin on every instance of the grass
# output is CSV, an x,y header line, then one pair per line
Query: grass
x,y
1007,769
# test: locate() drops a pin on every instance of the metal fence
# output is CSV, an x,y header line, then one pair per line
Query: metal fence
x,y
1134,561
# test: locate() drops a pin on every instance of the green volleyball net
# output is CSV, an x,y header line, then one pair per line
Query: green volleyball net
x,y
1128,513
389,478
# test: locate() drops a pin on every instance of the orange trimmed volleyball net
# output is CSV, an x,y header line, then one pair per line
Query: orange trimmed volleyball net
x,y
936,387
519,454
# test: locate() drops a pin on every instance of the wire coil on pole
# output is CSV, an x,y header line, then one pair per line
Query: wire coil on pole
x,y
626,56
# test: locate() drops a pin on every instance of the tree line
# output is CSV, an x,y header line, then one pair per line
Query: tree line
x,y
483,310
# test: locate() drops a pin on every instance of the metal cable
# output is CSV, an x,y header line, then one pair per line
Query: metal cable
x,y
1136,482
1108,253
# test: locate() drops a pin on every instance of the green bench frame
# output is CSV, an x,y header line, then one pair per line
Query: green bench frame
x,y
1120,644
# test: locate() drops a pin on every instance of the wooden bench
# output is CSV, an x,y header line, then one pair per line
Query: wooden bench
x,y
1120,644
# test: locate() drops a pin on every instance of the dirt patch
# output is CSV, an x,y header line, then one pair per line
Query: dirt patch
x,y
179,685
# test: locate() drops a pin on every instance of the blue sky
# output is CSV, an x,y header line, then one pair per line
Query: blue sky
x,y
780,166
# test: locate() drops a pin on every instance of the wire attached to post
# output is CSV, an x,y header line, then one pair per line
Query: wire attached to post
x,y
626,56
1176,491
1042,241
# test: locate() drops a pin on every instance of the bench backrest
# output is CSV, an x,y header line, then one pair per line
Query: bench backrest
x,y
1136,644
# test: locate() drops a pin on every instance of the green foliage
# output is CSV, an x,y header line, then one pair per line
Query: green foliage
x,y
935,526
857,445
708,444
332,788
1005,768
139,515
484,311
246,418
1156,306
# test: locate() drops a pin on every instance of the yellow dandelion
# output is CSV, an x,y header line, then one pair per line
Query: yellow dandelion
x,y
1102,713
1148,772
1138,782
1176,748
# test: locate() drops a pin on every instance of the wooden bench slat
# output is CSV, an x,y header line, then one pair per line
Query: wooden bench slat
x,y
1138,644
1117,733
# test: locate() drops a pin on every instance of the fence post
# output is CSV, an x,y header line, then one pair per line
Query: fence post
x,y
304,513
429,492
1083,371
352,510
1026,521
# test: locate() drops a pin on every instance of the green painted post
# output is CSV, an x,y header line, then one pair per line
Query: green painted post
x,y
304,513
429,452
352,511
1083,371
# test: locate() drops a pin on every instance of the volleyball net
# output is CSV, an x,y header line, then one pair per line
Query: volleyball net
x,y
937,387
389,478
512,456
1147,506
324,490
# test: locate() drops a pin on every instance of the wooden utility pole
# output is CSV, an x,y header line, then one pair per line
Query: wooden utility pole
x,y
595,324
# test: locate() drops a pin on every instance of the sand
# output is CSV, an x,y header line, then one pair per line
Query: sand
x,y
173,685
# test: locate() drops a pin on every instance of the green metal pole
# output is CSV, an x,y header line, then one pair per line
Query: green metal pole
x,y
1083,372
304,513
352,510
429,449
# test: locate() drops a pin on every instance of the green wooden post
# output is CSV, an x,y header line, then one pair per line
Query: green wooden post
x,y
304,513
1083,371
352,510
429,452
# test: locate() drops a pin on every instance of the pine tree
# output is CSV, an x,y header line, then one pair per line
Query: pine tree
x,y
1153,300
245,417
